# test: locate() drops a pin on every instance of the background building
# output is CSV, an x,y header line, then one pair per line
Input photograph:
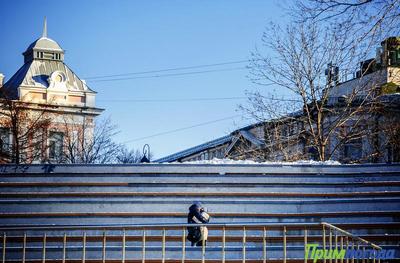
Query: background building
x,y
46,107
369,133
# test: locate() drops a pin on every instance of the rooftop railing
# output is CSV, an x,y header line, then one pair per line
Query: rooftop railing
x,y
230,242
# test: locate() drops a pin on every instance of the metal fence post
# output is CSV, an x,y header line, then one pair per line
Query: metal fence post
x,y
163,246
363,259
244,245
144,246
323,240
203,249
64,247
24,248
264,245
84,247
336,244
183,244
104,247
44,249
341,247
284,245
4,247
330,245
305,246
123,246
223,243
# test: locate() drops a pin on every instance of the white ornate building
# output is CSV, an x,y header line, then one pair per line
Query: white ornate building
x,y
46,88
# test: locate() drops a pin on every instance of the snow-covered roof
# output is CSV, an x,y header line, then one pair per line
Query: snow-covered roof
x,y
36,73
45,43
241,162
196,149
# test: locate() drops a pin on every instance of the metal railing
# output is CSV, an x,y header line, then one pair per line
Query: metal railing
x,y
138,243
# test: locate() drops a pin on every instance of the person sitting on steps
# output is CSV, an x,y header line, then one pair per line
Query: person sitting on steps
x,y
197,215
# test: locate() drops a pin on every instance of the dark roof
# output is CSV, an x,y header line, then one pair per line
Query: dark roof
x,y
252,138
196,149
391,99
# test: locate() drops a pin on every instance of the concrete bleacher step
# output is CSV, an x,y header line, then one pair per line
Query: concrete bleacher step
x,y
192,185
156,169
299,260
228,206
200,189
123,179
130,194
154,218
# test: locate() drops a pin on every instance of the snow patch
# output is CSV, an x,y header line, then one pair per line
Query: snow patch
x,y
230,161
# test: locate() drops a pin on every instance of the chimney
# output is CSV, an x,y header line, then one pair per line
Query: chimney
x,y
1,80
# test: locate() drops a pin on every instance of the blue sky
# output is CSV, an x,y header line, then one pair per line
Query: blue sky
x,y
115,37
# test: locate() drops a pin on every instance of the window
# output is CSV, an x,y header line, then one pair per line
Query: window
x,y
37,151
393,153
353,150
56,145
341,100
220,153
37,143
313,153
4,140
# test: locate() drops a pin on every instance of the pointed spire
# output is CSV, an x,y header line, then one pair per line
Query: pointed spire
x,y
45,28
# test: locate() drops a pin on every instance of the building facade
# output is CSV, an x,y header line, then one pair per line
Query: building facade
x,y
45,107
371,134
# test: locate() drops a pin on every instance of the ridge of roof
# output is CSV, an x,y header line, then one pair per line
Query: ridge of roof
x,y
195,149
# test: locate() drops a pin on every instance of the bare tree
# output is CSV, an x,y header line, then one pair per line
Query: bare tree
x,y
367,21
88,144
295,62
28,123
282,130
126,155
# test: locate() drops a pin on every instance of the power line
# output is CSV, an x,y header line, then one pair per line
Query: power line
x,y
182,129
168,69
170,75
174,100
192,99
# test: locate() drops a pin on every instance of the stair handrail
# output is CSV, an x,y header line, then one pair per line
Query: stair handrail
x,y
348,234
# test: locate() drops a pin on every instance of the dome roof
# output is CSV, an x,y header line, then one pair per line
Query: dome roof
x,y
45,43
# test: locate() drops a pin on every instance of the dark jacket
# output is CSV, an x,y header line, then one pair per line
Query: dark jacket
x,y
194,233
194,211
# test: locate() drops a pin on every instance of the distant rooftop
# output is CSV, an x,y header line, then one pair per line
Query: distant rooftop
x,y
195,149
